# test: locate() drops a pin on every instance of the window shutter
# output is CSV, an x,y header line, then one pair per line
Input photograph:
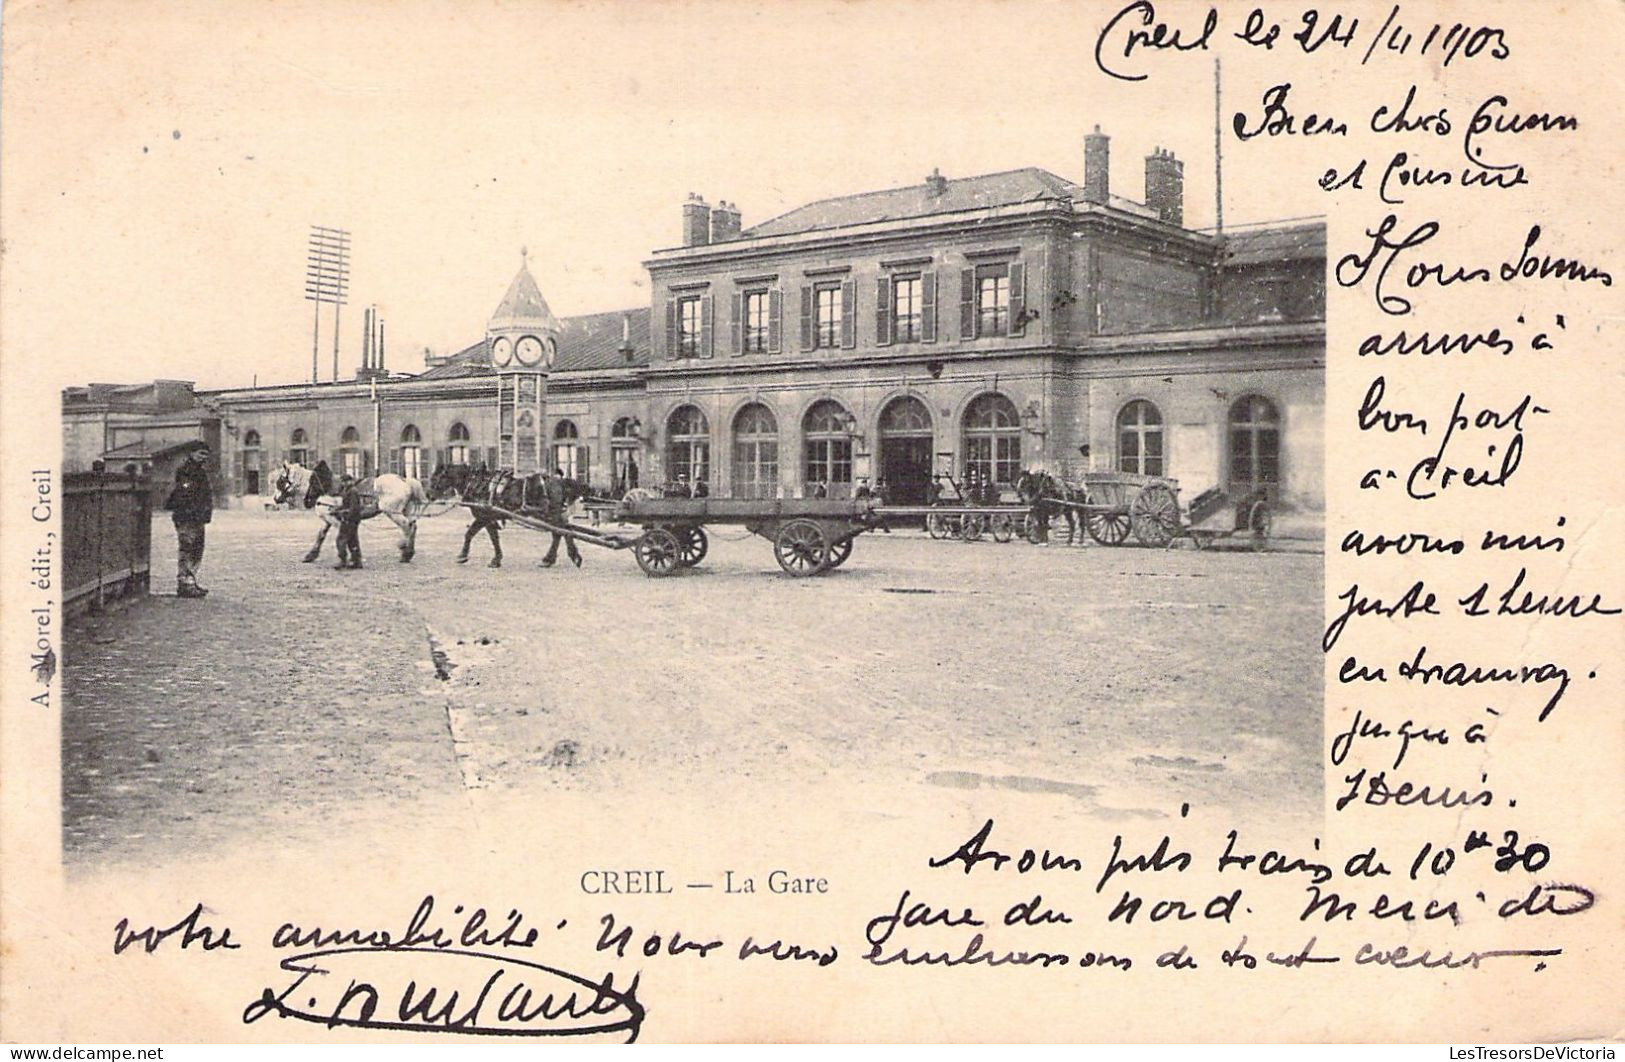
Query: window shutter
x,y
490,457
806,317
967,304
883,312
583,462
397,461
849,314
671,329
775,320
738,345
443,458
707,332
928,307
1017,324
366,462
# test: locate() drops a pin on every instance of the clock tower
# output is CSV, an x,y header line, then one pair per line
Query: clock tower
x,y
523,338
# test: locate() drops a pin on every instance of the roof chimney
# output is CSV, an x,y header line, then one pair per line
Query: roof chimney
x,y
1097,158
696,222
1165,186
936,184
725,222
626,348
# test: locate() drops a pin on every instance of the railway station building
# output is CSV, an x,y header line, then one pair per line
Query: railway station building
x,y
978,324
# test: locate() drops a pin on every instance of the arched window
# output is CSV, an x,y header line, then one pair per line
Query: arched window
x,y
624,443
827,450
756,453
1255,446
568,456
688,445
409,458
299,448
352,459
1139,439
459,452
992,429
905,451
251,462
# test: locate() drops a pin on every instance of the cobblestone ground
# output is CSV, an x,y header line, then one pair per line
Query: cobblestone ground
x,y
295,694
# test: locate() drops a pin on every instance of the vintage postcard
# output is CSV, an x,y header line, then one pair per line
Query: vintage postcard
x,y
731,521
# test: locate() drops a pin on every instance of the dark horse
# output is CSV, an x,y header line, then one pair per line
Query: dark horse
x,y
501,491
1043,492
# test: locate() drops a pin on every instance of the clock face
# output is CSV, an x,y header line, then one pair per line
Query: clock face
x,y
552,352
501,351
529,350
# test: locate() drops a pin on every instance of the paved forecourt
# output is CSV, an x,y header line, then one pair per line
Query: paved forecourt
x,y
295,692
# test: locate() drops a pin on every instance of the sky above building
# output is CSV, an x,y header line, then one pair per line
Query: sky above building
x,y
163,163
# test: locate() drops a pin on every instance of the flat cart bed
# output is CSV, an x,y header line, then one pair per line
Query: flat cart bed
x,y
809,535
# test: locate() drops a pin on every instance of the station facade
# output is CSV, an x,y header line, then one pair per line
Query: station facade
x,y
981,325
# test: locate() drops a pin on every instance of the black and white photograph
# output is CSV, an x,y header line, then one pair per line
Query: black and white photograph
x,y
497,452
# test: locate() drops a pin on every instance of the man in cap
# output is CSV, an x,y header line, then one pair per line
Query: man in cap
x,y
191,506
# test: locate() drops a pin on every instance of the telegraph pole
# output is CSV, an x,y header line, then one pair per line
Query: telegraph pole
x,y
327,280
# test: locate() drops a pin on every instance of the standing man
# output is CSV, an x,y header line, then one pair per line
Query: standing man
x,y
554,512
349,514
191,506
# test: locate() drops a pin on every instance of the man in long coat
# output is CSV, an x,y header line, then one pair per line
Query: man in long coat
x,y
191,506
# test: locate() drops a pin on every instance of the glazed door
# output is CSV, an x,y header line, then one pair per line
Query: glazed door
x,y
905,465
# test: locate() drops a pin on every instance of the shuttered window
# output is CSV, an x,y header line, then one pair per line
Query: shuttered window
x,y
756,315
690,326
828,315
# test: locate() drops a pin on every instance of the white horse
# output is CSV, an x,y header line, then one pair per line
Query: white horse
x,y
401,498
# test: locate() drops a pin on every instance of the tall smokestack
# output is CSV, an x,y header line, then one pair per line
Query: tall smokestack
x,y
380,365
366,339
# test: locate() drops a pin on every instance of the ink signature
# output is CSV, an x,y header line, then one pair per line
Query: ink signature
x,y
441,990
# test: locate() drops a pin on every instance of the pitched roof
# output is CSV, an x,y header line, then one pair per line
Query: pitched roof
x,y
1009,188
1276,243
523,306
591,341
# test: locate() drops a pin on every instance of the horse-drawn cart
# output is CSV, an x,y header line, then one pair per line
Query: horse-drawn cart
x,y
1114,505
809,535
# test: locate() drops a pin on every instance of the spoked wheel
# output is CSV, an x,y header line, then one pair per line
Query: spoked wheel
x,y
1154,514
936,525
970,528
691,545
1002,527
839,551
1109,529
657,552
800,548
1262,522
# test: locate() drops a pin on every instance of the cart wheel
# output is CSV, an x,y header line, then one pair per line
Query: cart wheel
x,y
800,548
1154,514
1029,530
1109,529
1261,521
936,525
657,552
970,528
1002,527
691,545
839,551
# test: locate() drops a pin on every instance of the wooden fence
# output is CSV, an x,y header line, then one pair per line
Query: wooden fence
x,y
107,539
